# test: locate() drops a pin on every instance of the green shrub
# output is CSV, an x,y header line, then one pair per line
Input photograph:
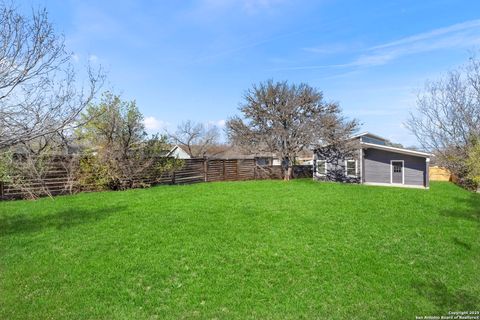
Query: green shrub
x,y
473,163
94,174
5,166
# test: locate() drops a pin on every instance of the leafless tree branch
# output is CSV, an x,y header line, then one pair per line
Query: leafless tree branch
x,y
195,138
39,89
447,117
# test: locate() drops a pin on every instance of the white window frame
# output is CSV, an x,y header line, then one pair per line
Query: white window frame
x,y
356,168
319,173
391,171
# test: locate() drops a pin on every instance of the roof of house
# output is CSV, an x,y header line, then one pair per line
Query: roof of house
x,y
177,149
366,145
366,133
395,149
171,151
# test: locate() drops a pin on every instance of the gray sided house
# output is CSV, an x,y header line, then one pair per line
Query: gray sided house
x,y
375,163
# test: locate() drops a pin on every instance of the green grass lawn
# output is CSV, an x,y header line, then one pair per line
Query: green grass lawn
x,y
242,250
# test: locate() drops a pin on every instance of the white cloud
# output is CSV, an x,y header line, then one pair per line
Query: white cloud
x,y
152,124
465,35
75,57
329,48
436,33
92,58
461,35
219,123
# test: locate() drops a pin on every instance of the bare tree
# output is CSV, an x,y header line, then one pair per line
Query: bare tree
x,y
447,117
286,119
39,91
195,138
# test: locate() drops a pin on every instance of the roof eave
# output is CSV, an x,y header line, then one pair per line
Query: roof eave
x,y
395,149
366,133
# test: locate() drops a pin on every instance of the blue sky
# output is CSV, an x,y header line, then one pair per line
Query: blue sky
x,y
193,60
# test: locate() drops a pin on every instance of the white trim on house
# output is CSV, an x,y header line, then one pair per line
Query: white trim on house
x,y
403,171
346,168
394,149
319,173
380,184
360,150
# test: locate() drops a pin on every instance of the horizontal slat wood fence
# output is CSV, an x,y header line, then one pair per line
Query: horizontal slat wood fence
x,y
439,174
57,180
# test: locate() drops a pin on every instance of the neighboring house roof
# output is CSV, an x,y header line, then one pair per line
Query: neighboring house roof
x,y
394,149
178,152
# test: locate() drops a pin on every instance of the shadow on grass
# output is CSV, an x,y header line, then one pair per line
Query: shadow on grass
x,y
445,299
472,212
462,243
26,223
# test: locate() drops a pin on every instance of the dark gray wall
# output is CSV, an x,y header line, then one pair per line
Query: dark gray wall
x,y
376,167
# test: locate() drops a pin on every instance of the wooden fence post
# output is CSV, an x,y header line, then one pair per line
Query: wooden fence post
x,y
224,177
205,169
173,177
1,189
237,174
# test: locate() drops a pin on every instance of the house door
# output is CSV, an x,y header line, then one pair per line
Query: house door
x,y
397,172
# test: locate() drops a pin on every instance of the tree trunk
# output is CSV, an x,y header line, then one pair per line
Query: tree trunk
x,y
285,167
288,176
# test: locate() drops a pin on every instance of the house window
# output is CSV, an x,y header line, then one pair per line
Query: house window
x,y
351,168
322,167
397,168
263,161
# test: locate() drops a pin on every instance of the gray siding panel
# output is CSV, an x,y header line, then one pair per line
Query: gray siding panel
x,y
377,167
